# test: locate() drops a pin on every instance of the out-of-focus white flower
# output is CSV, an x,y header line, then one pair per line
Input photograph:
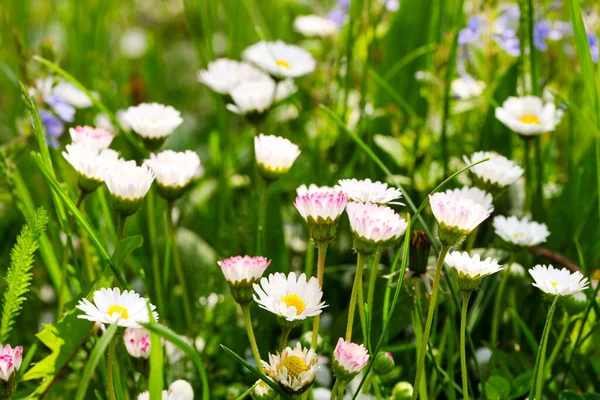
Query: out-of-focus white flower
x,y
262,391
528,115
102,121
133,43
466,88
254,98
10,361
558,282
174,171
314,25
494,174
274,155
110,306
94,138
471,270
137,342
292,298
121,117
92,166
280,59
182,390
374,226
71,94
456,215
241,273
224,75
153,122
312,188
349,359
128,184
520,232
367,191
479,196
294,368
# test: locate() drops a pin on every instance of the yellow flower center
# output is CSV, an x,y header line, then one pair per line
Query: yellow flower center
x,y
530,119
518,235
122,311
283,63
294,300
554,283
295,366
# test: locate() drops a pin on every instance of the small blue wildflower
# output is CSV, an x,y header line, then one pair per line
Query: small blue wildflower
x,y
593,42
54,127
541,33
64,110
472,32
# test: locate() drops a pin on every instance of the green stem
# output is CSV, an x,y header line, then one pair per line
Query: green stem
x,y
371,290
285,332
112,361
262,218
250,331
63,283
559,343
334,390
151,216
528,175
432,307
178,268
471,240
360,264
85,248
308,262
498,305
121,219
538,374
322,253
361,311
463,347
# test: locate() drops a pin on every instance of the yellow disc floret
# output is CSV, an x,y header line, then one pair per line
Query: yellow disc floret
x,y
530,119
294,300
295,366
283,63
554,284
122,311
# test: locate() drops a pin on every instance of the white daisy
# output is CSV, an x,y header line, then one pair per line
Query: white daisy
x,y
137,342
70,93
182,390
153,121
94,138
224,75
471,270
558,282
326,206
245,269
496,173
479,196
456,215
166,395
374,226
466,88
255,98
365,191
294,369
110,306
274,155
92,167
291,298
349,359
528,115
128,184
314,25
280,59
312,188
520,232
10,361
262,391
174,171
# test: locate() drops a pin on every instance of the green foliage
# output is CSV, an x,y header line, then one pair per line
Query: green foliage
x,y
497,388
18,278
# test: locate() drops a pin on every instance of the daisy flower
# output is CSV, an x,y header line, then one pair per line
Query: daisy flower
x,y
321,210
294,368
128,185
291,298
182,390
10,361
110,306
465,88
153,122
137,342
312,188
558,282
496,173
262,391
374,226
366,191
70,93
94,138
91,166
253,99
224,75
174,171
274,155
479,196
279,59
242,273
456,215
471,270
520,232
528,115
349,359
314,25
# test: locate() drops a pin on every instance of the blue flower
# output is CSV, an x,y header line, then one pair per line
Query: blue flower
x,y
593,42
472,32
541,32
64,110
54,127
509,42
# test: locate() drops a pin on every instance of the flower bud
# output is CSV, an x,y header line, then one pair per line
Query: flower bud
x,y
420,245
384,363
402,391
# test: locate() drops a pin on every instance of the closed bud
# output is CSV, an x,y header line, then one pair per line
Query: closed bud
x,y
420,245
384,363
402,391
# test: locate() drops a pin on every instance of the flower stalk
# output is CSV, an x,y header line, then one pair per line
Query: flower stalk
x,y
251,338
360,264
538,374
322,253
466,295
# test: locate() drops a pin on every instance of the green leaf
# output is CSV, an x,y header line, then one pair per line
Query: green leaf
x,y
125,247
497,388
93,360
521,385
569,395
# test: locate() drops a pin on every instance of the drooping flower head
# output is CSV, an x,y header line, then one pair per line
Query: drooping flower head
x,y
91,166
242,273
528,115
520,232
558,282
366,191
291,298
110,306
294,368
349,359
457,216
137,342
153,122
94,138
280,59
10,362
374,226
479,196
314,25
494,174
471,269
174,171
224,75
128,184
274,155
321,209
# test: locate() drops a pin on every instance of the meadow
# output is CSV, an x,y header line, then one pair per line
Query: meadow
x,y
296,199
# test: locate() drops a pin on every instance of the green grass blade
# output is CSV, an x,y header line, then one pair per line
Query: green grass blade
x,y
393,93
156,380
410,57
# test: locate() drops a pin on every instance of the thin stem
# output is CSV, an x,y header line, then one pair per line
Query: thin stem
x,y
285,332
250,331
63,282
178,267
432,307
151,216
471,240
361,311
262,218
81,197
112,364
559,343
322,253
371,290
360,264
498,305
463,348
121,218
335,389
528,175
84,240
538,374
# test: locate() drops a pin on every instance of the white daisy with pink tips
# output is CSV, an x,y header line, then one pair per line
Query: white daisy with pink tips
x,y
349,359
457,215
10,361
94,138
321,209
373,226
